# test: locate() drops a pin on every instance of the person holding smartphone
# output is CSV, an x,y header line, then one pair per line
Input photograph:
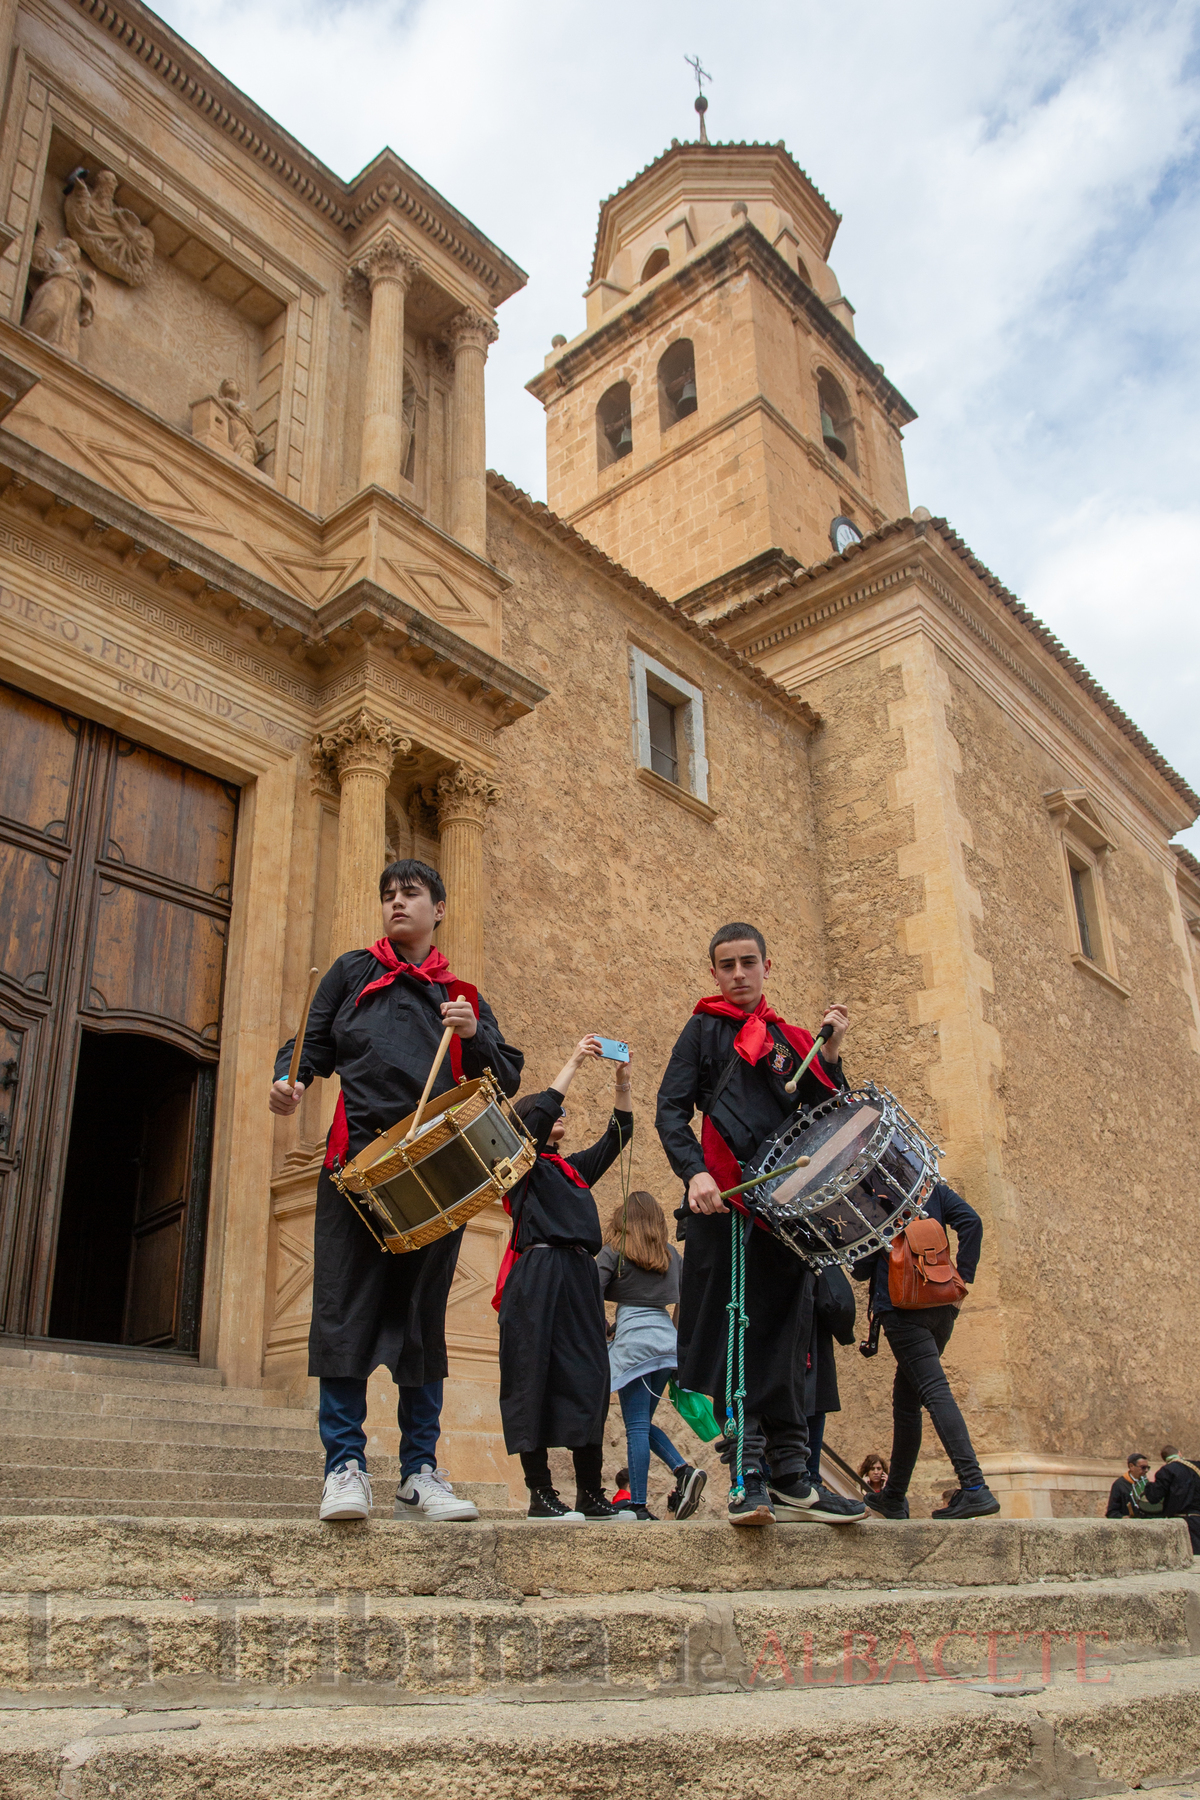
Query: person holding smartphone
x,y
554,1373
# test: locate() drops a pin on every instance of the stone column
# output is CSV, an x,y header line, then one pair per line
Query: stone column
x,y
470,334
389,268
463,797
360,750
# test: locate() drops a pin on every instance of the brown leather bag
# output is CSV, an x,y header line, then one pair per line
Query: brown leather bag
x,y
921,1271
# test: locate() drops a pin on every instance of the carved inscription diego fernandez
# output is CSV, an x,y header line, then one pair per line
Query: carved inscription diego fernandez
x,y
145,671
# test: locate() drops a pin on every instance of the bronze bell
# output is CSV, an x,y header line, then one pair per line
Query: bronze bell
x,y
832,440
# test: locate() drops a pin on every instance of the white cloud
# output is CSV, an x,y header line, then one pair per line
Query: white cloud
x,y
1021,238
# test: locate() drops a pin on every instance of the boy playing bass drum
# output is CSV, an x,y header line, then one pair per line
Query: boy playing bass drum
x,y
731,1063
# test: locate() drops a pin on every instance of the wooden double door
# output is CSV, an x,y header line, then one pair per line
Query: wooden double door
x,y
115,870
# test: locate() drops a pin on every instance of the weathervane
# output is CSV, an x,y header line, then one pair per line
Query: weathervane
x,y
700,102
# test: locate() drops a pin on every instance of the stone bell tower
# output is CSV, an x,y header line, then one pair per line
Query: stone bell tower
x,y
717,417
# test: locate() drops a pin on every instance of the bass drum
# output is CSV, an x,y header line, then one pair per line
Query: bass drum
x,y
870,1171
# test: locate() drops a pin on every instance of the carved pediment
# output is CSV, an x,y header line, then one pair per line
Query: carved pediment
x,y
1072,810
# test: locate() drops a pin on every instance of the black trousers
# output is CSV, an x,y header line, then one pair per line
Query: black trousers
x,y
917,1340
589,1468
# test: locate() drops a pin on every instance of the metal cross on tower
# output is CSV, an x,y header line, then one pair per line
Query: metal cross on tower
x,y
701,102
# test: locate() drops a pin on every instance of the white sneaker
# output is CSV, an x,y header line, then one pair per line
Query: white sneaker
x,y
430,1496
347,1493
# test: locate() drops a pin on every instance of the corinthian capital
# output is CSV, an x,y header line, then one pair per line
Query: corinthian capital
x,y
387,259
471,330
463,795
362,744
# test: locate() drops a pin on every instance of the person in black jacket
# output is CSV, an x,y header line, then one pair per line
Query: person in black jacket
x,y
554,1372
1176,1488
376,1021
1120,1495
732,1062
917,1339
833,1317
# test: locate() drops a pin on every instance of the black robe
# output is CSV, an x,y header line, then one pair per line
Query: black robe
x,y
833,1317
554,1373
779,1285
370,1307
1119,1496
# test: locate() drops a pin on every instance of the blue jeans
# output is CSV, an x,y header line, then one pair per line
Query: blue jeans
x,y
638,1401
344,1407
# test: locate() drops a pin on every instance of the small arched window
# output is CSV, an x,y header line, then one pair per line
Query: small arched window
x,y
676,383
837,424
614,427
656,262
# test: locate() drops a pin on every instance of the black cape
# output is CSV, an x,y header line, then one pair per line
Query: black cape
x,y
554,1373
370,1307
780,1287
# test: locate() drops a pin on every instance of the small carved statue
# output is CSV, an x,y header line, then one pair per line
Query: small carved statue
x,y
62,302
114,238
244,441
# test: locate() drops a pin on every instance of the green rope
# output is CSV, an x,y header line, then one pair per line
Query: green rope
x,y
626,1169
735,1413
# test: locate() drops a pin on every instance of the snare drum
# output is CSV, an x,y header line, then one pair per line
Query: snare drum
x,y
471,1148
870,1170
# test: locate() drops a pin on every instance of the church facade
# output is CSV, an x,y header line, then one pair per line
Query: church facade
x,y
268,620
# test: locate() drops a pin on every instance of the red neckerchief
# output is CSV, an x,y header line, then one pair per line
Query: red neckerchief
x,y
560,1162
435,969
751,1043
512,1253
754,1040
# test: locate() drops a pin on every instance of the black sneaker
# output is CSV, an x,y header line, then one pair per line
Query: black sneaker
x,y
885,1507
641,1512
751,1504
685,1496
969,1503
544,1503
799,1500
596,1509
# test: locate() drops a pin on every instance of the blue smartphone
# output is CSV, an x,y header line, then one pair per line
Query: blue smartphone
x,y
613,1050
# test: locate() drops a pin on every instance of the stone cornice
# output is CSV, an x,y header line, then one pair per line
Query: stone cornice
x,y
386,181
930,555
107,531
572,540
738,250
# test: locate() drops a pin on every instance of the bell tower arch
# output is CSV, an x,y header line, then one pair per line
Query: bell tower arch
x,y
716,415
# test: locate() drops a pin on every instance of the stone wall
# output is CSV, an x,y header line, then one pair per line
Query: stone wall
x,y
603,894
1099,1096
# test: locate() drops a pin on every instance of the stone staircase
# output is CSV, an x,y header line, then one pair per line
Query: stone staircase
x,y
174,1622
162,1657
153,1437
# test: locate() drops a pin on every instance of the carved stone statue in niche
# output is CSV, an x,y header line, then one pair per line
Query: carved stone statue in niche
x,y
408,441
224,422
62,301
114,238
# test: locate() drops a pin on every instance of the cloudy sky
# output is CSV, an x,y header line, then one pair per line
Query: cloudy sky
x,y
1018,181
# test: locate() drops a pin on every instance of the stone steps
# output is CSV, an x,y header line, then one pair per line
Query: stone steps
x,y
201,1647
179,1452
922,1742
156,1558
51,1410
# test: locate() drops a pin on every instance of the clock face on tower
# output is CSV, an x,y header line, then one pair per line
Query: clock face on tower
x,y
844,532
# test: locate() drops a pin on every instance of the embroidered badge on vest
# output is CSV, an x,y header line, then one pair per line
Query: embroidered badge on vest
x,y
781,1059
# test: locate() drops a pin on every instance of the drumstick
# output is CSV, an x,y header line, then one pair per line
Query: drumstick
x,y
823,1036
314,975
437,1063
801,1162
